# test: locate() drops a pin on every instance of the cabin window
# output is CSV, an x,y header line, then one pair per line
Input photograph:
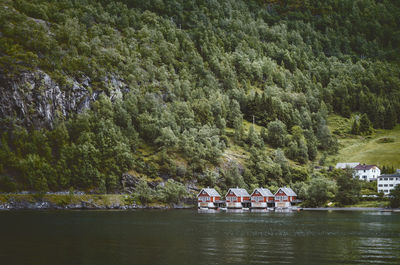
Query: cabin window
x,y
231,199
258,199
285,198
204,198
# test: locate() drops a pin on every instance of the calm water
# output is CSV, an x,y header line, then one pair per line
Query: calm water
x,y
188,237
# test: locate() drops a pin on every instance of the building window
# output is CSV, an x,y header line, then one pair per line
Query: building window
x,y
385,185
204,199
380,185
391,178
385,179
258,199
391,185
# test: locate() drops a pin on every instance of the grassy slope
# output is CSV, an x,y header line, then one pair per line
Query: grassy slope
x,y
365,149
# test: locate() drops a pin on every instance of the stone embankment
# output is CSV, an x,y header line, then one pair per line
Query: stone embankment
x,y
31,201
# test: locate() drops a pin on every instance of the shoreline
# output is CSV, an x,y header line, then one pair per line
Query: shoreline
x,y
352,209
91,207
84,206
120,202
79,202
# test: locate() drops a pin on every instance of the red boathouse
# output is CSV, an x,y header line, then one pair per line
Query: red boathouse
x,y
208,198
237,199
262,198
285,197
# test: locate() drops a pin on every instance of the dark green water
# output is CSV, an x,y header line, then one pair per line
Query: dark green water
x,y
188,237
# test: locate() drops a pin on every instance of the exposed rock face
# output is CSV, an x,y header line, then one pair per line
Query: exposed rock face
x,y
35,99
129,182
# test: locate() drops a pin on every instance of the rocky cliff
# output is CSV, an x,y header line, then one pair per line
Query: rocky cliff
x,y
34,99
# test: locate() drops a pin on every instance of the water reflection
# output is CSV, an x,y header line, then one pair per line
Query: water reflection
x,y
188,237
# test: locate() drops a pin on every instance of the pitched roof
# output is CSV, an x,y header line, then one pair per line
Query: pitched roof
x,y
238,192
364,167
287,191
347,165
263,192
210,192
396,175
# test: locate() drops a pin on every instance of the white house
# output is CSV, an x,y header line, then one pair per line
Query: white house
x,y
387,182
366,172
346,165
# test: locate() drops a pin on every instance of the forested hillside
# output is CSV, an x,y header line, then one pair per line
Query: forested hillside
x,y
170,89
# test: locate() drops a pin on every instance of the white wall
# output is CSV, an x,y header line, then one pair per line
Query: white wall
x,y
386,184
368,175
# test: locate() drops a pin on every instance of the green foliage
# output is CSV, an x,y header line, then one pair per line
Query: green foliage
x,y
395,197
192,69
318,191
232,176
349,188
143,193
7,184
171,192
355,127
276,133
253,138
387,169
365,125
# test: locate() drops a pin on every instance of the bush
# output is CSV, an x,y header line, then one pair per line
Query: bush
x,y
319,191
348,188
143,193
172,192
395,197
7,184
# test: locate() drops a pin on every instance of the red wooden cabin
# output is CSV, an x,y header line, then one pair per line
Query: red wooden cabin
x,y
207,198
237,198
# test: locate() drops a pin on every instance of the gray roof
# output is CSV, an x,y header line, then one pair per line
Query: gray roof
x,y
347,165
263,192
210,191
238,192
389,175
287,191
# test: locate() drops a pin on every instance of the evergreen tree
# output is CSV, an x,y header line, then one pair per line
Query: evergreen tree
x,y
365,125
348,188
355,127
277,133
395,197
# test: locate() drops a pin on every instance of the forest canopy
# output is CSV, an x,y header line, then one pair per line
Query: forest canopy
x,y
197,73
